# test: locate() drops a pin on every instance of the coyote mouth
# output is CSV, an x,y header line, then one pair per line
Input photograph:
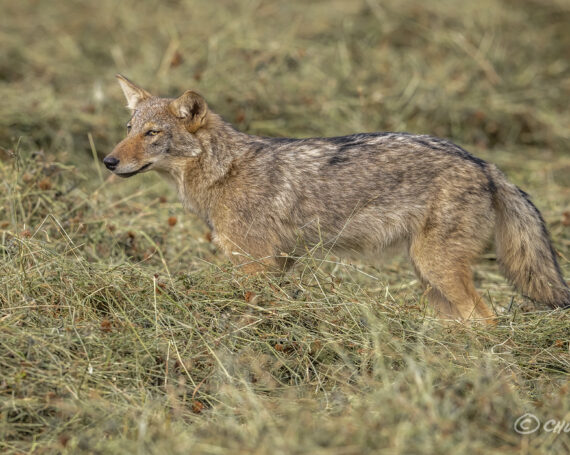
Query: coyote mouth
x,y
130,174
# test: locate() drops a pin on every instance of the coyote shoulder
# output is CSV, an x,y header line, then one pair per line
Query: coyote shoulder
x,y
267,199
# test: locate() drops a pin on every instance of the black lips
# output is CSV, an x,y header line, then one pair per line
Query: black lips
x,y
130,174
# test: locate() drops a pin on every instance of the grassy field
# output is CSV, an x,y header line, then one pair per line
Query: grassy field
x,y
123,330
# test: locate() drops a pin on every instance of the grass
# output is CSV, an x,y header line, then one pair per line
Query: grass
x,y
123,330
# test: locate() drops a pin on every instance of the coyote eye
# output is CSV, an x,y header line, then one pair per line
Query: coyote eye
x,y
152,133
128,129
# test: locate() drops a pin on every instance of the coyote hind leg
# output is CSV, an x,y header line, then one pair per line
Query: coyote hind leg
x,y
443,307
446,270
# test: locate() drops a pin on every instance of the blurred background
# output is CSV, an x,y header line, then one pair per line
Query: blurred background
x,y
492,73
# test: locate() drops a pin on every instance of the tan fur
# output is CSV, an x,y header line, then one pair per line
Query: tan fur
x,y
268,199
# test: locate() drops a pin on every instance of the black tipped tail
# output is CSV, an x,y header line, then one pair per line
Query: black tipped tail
x,y
523,246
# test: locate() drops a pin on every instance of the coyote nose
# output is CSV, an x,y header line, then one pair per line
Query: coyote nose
x,y
111,162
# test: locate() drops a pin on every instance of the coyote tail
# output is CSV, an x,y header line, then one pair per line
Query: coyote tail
x,y
524,251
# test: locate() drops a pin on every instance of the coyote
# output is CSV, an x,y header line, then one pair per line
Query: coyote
x,y
267,199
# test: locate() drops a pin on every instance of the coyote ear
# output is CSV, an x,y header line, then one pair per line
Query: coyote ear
x,y
133,94
191,108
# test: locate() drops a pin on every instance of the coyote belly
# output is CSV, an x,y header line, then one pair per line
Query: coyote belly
x,y
263,197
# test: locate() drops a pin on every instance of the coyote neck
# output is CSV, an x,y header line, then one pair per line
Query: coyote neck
x,y
200,179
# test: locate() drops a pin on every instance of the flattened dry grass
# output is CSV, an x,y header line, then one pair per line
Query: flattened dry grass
x,y
122,330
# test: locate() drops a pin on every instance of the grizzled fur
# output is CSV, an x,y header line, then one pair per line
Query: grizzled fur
x,y
268,199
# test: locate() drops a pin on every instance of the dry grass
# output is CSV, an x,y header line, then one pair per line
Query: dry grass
x,y
122,330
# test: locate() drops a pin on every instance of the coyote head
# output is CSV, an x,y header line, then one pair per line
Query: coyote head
x,y
159,130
